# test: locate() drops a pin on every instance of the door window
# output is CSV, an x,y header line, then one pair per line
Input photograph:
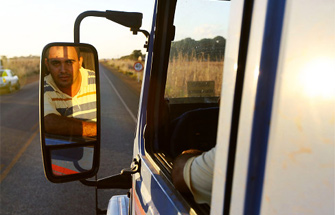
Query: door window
x,y
185,116
194,79
197,53
194,76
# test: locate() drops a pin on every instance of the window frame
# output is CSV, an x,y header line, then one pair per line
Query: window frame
x,y
161,51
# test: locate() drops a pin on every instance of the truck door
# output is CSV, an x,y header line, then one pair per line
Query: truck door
x,y
184,91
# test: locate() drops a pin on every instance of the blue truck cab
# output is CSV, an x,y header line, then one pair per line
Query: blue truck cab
x,y
255,79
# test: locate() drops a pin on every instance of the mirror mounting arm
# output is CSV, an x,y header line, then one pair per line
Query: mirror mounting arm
x,y
146,34
80,18
118,181
132,20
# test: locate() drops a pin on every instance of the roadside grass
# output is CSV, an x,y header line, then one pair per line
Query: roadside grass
x,y
23,67
125,66
181,70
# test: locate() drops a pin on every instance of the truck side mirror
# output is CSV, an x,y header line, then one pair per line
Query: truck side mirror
x,y
69,111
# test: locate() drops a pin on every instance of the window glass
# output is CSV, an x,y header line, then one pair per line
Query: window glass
x,y
197,52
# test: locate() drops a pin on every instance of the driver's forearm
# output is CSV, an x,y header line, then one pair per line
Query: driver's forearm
x,y
178,168
89,129
61,125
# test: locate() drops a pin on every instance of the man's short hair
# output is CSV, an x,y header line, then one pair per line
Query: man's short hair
x,y
47,57
75,47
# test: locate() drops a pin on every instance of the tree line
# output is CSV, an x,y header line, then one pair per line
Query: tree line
x,y
134,55
204,49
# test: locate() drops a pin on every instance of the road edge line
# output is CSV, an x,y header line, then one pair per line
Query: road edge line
x,y
17,157
122,101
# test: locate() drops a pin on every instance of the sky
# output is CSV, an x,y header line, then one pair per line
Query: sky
x,y
27,26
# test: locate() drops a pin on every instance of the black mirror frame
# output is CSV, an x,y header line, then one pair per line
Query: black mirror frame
x,y
46,150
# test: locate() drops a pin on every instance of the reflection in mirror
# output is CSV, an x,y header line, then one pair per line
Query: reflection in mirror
x,y
51,139
70,92
69,113
71,161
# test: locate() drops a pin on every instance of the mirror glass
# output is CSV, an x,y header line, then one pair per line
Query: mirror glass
x,y
71,161
69,109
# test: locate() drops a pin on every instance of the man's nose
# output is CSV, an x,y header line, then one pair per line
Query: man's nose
x,y
62,67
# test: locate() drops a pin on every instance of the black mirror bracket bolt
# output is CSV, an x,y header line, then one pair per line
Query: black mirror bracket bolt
x,y
134,167
146,34
119,181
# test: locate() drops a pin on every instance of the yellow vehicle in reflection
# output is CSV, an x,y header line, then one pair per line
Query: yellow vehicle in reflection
x,y
9,80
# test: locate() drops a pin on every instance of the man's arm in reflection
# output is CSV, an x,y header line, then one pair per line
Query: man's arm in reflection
x,y
61,125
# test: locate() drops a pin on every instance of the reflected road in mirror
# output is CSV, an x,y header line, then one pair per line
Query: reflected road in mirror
x,y
71,161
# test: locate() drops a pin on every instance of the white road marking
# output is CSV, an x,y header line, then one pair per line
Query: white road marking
x,y
122,101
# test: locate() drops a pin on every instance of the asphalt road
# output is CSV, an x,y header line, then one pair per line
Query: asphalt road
x,y
24,189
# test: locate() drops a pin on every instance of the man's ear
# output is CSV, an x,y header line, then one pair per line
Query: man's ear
x,y
81,61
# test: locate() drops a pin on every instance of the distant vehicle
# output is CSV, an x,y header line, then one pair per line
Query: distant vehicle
x,y
9,80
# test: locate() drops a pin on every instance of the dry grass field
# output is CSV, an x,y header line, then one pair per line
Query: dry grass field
x,y
24,67
181,70
126,66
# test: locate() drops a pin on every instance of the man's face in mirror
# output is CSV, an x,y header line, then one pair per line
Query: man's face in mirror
x,y
63,64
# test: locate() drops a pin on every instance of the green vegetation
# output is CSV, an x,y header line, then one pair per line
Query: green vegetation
x,y
209,49
134,56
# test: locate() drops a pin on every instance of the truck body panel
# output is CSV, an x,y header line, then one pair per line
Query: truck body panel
x,y
298,153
